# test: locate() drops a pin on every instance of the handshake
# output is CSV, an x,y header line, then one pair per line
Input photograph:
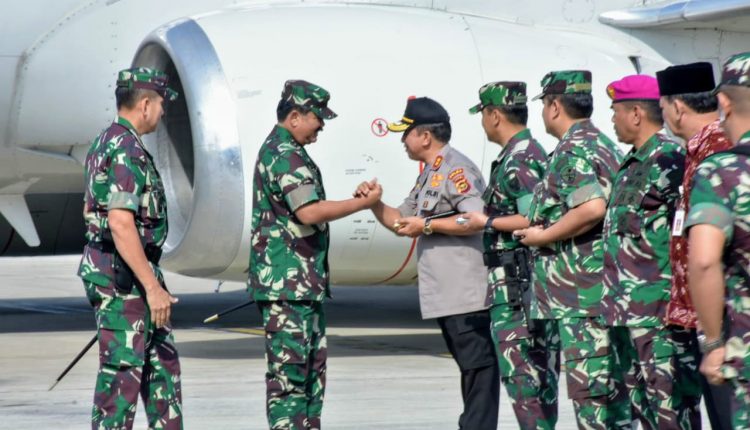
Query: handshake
x,y
370,193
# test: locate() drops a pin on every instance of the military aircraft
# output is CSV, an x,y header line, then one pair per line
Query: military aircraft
x,y
228,60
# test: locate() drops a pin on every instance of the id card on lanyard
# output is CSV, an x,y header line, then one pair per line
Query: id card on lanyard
x,y
679,216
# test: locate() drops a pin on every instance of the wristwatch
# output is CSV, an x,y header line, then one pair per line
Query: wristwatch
x,y
488,228
427,230
706,347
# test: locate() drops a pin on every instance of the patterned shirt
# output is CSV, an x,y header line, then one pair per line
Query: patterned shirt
x,y
568,274
517,170
709,140
288,259
719,198
637,229
120,174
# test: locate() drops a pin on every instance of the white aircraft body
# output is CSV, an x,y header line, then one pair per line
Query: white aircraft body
x,y
229,60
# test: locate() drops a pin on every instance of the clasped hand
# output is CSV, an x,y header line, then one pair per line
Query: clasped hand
x,y
371,191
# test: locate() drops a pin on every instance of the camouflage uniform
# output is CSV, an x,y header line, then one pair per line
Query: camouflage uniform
x,y
134,356
567,277
289,269
719,198
657,359
528,359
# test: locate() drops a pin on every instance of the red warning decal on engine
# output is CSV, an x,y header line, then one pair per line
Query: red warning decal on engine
x,y
379,127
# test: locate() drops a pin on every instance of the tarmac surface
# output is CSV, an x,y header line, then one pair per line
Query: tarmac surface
x,y
387,368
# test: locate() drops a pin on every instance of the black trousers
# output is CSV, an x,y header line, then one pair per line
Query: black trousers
x,y
470,343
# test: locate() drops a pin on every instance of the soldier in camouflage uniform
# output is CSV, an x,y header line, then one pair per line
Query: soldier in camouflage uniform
x,y
126,224
566,217
289,256
656,358
528,355
719,238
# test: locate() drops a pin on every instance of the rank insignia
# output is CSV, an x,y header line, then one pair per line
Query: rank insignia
x,y
437,178
455,173
438,162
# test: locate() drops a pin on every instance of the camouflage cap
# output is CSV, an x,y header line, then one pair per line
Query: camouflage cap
x,y
506,93
736,71
307,95
566,82
146,79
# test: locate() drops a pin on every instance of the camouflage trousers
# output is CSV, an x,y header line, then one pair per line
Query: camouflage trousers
x,y
598,401
736,368
529,365
135,358
660,371
296,354
740,404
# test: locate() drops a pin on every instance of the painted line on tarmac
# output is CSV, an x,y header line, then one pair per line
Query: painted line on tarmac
x,y
45,309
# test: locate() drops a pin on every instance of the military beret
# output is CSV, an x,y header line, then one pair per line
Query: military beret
x,y
146,79
505,93
633,87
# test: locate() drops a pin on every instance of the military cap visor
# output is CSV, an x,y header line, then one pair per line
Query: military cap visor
x,y
323,112
401,126
477,108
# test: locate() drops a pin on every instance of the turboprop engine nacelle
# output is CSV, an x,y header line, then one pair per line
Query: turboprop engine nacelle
x,y
229,68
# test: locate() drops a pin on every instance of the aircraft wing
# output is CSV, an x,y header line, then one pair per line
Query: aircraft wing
x,y
729,15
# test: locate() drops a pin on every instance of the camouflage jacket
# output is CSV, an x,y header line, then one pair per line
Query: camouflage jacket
x,y
288,259
515,173
120,174
719,198
567,277
637,230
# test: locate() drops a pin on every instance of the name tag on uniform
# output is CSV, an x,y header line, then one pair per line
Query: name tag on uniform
x,y
679,221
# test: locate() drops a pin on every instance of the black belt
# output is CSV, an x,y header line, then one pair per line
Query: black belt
x,y
153,252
